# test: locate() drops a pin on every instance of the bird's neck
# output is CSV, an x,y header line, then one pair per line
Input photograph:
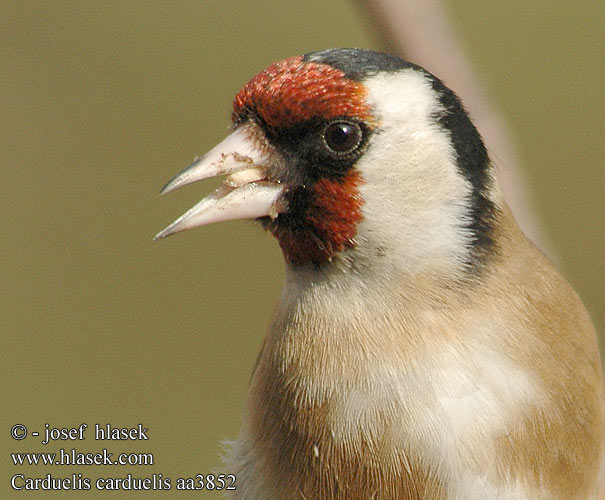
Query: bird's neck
x,y
330,327
322,398
348,362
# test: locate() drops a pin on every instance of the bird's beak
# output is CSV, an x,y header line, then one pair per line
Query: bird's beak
x,y
246,192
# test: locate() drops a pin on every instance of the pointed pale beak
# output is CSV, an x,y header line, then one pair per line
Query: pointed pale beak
x,y
246,192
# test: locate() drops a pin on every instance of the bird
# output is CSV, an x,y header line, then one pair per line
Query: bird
x,y
422,347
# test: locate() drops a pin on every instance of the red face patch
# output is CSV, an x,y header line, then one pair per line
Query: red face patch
x,y
330,222
292,91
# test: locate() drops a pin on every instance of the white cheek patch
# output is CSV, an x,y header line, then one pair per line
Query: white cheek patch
x,y
403,96
416,201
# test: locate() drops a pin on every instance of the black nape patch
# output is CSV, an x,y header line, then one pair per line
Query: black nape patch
x,y
357,64
473,162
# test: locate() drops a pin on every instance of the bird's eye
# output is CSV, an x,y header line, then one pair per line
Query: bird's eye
x,y
343,137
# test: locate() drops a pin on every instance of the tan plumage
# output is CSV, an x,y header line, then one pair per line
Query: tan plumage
x,y
294,401
435,355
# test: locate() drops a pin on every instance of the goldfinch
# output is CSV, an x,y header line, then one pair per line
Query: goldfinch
x,y
422,347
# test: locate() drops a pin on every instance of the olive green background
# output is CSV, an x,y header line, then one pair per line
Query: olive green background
x,y
102,102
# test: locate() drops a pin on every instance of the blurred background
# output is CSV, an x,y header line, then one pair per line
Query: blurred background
x,y
102,102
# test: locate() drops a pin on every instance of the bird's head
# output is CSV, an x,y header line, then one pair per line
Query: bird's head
x,y
352,158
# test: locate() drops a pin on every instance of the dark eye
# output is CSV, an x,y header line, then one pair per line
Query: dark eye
x,y
343,137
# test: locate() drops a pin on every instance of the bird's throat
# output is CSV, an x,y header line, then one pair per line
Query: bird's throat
x,y
322,220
